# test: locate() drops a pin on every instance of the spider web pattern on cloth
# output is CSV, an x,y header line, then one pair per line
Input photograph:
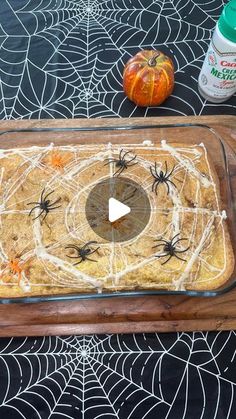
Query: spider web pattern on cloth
x,y
65,58
139,376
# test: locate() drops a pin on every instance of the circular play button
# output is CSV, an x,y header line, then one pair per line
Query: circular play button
x,y
117,209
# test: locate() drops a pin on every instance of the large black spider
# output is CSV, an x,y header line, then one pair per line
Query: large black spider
x,y
44,204
169,247
121,162
161,177
82,252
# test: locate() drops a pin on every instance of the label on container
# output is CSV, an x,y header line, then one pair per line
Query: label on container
x,y
218,75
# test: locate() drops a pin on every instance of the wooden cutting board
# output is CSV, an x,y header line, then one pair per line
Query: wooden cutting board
x,y
119,315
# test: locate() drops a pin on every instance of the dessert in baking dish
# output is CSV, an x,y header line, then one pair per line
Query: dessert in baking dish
x,y
48,247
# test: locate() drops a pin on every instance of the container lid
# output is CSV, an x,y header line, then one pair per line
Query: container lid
x,y
227,21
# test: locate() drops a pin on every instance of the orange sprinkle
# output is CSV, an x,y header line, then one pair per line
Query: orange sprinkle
x,y
57,161
15,268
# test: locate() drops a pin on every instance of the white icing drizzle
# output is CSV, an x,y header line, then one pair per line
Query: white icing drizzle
x,y
1,175
186,163
224,215
3,255
42,253
25,283
177,204
179,283
84,164
139,265
148,143
67,267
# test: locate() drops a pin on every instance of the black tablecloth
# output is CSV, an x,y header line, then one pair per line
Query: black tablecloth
x,y
64,59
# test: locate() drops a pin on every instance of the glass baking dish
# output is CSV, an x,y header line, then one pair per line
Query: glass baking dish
x,y
222,156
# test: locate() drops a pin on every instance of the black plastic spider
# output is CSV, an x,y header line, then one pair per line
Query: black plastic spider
x,y
121,162
44,204
82,252
161,177
169,247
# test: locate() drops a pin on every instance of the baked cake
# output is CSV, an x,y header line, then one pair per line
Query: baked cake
x,y
48,247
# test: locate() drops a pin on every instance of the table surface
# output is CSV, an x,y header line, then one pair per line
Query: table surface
x,y
134,314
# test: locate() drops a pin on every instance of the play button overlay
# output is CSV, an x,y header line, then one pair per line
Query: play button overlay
x,y
117,209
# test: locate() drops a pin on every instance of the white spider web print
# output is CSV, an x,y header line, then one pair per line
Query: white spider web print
x,y
65,58
118,376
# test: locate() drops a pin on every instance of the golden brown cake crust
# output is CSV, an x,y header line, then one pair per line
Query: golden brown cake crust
x,y
33,254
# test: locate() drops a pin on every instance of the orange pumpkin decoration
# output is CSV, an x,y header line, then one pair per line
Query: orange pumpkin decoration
x,y
148,78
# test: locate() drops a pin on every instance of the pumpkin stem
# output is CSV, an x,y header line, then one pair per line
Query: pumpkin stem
x,y
153,60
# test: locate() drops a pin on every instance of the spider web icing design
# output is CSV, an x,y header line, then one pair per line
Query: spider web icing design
x,y
185,211
65,58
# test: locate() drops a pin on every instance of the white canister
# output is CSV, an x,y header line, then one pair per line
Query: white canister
x,y
217,79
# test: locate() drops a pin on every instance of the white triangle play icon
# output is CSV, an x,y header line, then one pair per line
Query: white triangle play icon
x,y
117,210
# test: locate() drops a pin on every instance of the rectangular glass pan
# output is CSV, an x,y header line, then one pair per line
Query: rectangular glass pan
x,y
222,156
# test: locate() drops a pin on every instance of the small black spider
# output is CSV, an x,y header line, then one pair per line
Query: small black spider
x,y
44,204
169,247
121,162
82,252
161,177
